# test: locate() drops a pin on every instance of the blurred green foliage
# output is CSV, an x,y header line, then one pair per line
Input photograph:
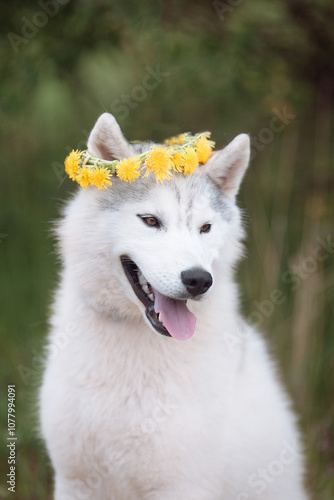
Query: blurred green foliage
x,y
229,67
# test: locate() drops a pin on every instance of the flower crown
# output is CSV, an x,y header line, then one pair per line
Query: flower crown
x,y
181,153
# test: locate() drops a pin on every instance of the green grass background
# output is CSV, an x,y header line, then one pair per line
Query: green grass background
x,y
229,66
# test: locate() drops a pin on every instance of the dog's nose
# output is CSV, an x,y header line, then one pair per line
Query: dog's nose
x,y
197,281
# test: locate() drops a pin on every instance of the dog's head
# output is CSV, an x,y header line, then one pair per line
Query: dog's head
x,y
148,248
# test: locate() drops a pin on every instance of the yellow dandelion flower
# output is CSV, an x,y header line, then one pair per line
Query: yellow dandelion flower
x,y
178,161
99,177
83,177
159,161
190,161
204,149
178,139
128,169
72,163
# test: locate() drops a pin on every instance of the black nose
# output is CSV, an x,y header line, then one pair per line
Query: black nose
x,y
196,281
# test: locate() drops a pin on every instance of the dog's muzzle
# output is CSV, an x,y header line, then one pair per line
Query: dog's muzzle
x,y
168,316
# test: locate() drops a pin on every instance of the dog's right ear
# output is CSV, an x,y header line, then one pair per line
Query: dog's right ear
x,y
107,141
227,166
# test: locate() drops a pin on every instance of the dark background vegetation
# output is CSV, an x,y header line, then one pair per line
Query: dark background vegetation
x,y
230,65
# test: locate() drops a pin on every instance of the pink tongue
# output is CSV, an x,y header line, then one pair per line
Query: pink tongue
x,y
175,316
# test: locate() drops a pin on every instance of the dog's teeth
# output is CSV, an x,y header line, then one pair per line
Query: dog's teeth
x,y
141,278
145,288
151,296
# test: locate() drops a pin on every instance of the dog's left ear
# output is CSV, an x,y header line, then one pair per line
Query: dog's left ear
x,y
227,167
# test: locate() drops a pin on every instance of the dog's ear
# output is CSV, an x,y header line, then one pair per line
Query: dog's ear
x,y
227,166
107,141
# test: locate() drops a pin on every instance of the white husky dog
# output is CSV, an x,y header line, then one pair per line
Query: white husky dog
x,y
128,410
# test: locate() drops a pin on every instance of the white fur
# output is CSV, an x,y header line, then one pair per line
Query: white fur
x,y
129,414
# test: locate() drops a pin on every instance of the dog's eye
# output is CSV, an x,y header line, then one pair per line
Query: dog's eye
x,y
206,228
150,220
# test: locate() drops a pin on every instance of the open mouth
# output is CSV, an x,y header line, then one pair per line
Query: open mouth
x,y
167,316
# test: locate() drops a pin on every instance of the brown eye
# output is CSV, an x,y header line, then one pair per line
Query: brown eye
x,y
206,228
150,220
